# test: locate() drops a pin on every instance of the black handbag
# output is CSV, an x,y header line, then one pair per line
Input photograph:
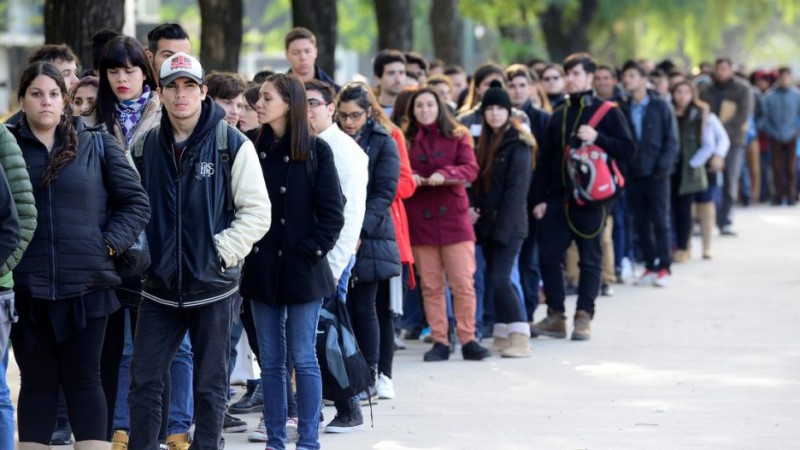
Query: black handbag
x,y
135,260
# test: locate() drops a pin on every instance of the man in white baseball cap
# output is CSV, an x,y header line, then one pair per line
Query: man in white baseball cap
x,y
209,205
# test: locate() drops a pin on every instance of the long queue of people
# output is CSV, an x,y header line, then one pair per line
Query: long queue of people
x,y
436,203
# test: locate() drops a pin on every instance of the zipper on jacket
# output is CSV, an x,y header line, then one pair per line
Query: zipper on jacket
x,y
179,215
51,225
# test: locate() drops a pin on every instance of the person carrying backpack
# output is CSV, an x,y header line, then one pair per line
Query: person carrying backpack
x,y
562,219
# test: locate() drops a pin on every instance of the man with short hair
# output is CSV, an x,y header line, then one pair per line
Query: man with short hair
x,y
656,132
389,69
209,206
660,84
459,78
732,101
417,67
605,84
227,89
569,127
301,52
351,164
780,122
164,41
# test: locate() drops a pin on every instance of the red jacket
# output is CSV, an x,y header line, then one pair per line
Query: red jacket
x,y
405,189
440,215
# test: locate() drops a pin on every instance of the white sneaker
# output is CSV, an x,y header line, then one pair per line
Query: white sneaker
x,y
662,280
626,269
260,433
385,387
647,279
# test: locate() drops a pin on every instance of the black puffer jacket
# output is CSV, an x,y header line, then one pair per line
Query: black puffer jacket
x,y
503,207
378,257
79,214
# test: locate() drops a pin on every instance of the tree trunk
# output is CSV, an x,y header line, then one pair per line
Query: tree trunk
x,y
220,34
447,29
321,17
395,28
564,37
73,22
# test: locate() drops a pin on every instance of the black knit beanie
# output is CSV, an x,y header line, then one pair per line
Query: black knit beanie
x,y
495,95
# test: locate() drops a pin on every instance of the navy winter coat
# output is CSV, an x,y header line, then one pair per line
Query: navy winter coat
x,y
378,257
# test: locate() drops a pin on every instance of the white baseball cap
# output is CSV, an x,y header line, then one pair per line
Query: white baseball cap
x,y
181,65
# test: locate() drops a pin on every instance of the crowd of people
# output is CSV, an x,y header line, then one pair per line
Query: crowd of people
x,y
438,205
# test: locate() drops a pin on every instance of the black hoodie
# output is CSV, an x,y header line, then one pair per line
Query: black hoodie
x,y
188,201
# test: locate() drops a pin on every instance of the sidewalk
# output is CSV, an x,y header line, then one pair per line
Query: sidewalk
x,y
711,362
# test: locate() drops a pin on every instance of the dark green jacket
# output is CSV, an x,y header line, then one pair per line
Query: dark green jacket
x,y
693,179
22,192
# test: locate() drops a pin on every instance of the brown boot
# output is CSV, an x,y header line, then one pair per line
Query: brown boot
x,y
681,256
500,337
178,441
707,214
582,330
519,337
119,441
554,325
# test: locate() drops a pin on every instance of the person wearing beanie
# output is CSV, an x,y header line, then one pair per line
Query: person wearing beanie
x,y
505,154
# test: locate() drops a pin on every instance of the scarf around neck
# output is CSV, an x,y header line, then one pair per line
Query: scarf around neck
x,y
129,113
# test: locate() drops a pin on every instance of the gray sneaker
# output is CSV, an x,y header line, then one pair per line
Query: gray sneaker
x,y
583,326
554,325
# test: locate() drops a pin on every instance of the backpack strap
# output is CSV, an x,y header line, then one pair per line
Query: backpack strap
x,y
226,158
601,112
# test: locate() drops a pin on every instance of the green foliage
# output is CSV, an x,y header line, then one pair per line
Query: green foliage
x,y
357,29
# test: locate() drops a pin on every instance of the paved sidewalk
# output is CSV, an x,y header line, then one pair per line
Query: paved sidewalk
x,y
711,362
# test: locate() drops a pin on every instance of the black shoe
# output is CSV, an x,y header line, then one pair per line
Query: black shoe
x,y
606,290
347,422
473,351
412,334
253,400
727,230
62,434
233,424
439,352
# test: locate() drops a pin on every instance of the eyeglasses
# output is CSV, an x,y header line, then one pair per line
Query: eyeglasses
x,y
313,103
551,78
352,116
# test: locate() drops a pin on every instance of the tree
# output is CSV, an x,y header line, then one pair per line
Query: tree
x,y
73,22
321,17
565,34
220,34
395,28
448,30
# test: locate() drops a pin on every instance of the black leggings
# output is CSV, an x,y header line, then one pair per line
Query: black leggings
x,y
364,317
110,358
386,325
74,364
681,213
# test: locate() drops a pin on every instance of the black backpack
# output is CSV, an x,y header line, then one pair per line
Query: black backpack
x,y
344,370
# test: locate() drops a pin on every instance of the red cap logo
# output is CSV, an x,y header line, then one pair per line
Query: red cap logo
x,y
180,62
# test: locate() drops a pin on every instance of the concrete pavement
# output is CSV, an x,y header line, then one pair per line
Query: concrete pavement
x,y
710,362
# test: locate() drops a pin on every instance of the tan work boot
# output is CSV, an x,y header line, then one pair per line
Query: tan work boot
x,y
92,445
519,335
707,213
500,337
120,440
582,329
178,441
554,325
681,256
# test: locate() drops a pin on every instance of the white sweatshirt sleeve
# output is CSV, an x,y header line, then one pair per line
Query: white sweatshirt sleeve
x,y
722,143
707,145
253,209
352,166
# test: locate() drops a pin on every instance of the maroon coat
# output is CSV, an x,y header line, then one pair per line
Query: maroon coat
x,y
440,215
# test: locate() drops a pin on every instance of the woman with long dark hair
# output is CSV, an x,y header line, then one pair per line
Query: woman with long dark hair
x,y
442,236
286,276
64,284
378,256
499,196
127,102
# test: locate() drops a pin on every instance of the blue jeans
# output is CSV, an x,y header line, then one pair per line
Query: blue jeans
x,y
6,407
181,398
159,332
297,324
